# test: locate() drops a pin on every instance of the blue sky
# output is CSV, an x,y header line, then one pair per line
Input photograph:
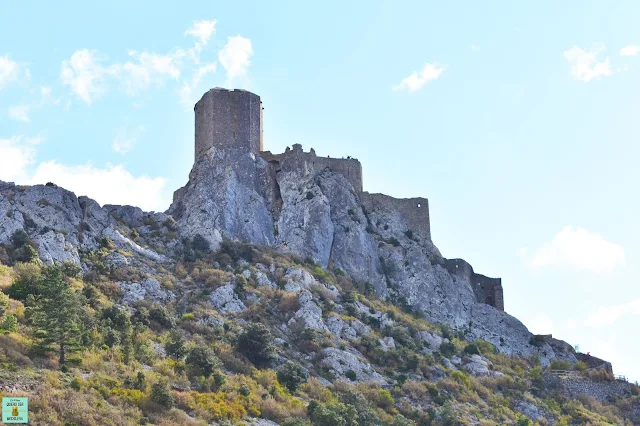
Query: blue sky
x,y
518,122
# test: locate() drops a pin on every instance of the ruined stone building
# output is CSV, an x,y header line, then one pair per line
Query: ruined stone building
x,y
229,129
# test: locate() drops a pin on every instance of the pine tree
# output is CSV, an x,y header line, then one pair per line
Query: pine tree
x,y
55,314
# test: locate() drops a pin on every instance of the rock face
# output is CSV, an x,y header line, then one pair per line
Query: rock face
x,y
296,202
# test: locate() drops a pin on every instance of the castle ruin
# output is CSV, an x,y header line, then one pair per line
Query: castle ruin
x,y
231,121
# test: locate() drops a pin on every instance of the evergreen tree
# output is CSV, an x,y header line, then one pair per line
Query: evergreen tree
x,y
55,314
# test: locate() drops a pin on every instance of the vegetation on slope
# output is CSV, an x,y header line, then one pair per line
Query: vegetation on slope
x,y
85,358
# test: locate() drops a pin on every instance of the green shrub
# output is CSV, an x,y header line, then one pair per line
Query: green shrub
x,y
351,375
10,323
471,349
202,361
175,346
447,349
485,347
161,395
310,195
256,343
581,366
161,316
292,375
26,282
523,421
558,364
76,383
244,390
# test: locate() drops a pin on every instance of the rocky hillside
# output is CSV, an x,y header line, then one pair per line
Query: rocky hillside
x,y
114,316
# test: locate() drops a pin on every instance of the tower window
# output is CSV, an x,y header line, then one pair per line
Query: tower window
x,y
419,205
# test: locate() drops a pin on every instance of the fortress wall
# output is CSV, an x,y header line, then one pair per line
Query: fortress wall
x,y
351,169
487,290
414,212
229,120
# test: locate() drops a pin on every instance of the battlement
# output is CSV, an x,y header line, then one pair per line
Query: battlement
x,y
350,168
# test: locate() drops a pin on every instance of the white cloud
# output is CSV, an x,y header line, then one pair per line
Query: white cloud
x,y
235,57
585,65
202,30
16,155
19,112
608,315
202,71
84,74
541,323
418,79
9,71
578,248
631,50
475,48
125,140
148,68
110,185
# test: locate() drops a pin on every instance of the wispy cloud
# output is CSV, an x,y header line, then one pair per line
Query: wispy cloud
x,y
202,30
16,155
10,71
235,57
585,65
578,248
125,140
85,74
418,79
608,315
19,113
630,50
89,75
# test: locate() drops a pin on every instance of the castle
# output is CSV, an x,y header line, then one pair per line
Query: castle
x,y
231,121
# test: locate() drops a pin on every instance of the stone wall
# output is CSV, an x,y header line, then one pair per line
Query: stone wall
x,y
574,387
487,290
349,168
229,120
414,212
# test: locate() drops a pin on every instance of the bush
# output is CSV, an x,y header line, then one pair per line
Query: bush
x,y
447,349
175,346
471,349
581,366
161,395
557,364
161,316
26,282
292,375
256,343
351,375
310,195
202,361
523,421
10,323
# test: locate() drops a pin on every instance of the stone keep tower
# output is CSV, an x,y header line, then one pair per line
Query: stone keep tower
x,y
230,120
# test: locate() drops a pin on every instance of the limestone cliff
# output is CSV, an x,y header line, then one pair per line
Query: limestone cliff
x,y
295,202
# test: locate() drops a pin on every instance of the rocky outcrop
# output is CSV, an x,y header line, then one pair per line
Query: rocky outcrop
x,y
346,366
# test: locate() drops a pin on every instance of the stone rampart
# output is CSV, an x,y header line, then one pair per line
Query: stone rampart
x,y
574,387
351,169
487,290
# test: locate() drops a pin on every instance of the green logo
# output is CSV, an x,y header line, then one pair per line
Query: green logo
x,y
15,410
